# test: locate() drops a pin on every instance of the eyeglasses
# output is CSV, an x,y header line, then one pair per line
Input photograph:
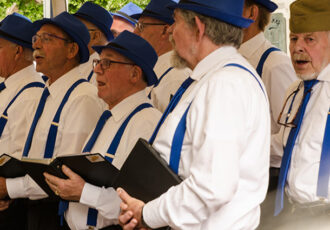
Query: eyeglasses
x,y
140,25
105,63
280,119
46,37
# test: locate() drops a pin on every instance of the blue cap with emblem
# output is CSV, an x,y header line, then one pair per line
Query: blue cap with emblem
x,y
137,50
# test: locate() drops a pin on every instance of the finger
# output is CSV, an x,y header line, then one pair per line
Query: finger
x,y
68,172
123,195
123,206
125,218
52,179
52,186
131,225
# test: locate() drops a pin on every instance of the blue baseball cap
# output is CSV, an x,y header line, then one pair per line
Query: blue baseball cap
x,y
269,5
130,12
97,15
18,29
137,50
229,11
159,9
73,27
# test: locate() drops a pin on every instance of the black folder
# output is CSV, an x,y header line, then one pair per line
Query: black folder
x,y
93,168
145,174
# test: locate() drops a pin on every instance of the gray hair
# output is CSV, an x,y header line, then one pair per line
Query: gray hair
x,y
220,33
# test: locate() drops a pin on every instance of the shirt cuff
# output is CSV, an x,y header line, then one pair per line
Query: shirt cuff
x,y
90,195
15,188
152,214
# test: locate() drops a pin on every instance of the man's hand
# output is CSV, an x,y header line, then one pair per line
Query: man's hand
x,y
3,188
131,211
67,189
4,204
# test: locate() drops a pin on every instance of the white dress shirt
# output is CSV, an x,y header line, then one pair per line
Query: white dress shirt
x,y
106,200
305,161
21,112
86,68
278,73
162,93
79,116
225,154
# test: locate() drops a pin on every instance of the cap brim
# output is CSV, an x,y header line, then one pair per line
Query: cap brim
x,y
15,40
217,14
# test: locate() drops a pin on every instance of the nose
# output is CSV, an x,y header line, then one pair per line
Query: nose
x,y
97,69
36,42
299,45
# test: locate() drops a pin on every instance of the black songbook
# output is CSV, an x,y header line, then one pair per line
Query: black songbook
x,y
145,174
93,168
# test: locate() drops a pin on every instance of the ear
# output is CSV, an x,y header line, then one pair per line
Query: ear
x,y
19,52
95,35
251,12
73,50
200,29
136,74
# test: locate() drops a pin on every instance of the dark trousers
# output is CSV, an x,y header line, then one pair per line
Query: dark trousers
x,y
14,218
42,215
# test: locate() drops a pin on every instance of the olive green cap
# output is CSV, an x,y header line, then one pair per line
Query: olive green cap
x,y
309,16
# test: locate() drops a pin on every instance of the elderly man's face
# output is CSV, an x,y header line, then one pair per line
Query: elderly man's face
x,y
182,39
113,82
50,49
151,30
119,25
310,53
7,57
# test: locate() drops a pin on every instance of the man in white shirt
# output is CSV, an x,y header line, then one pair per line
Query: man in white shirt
x,y
123,72
301,148
153,26
19,97
222,120
125,18
275,69
98,22
67,111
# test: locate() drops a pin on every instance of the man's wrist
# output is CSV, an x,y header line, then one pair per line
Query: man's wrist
x,y
143,223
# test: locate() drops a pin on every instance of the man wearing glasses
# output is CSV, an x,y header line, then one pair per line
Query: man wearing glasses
x,y
67,111
302,147
98,22
123,72
153,26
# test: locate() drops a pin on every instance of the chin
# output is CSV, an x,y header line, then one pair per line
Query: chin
x,y
307,77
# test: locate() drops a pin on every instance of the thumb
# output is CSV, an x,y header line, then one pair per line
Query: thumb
x,y
123,195
68,172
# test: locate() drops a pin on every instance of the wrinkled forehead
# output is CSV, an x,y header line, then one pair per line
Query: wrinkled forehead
x,y
52,29
112,54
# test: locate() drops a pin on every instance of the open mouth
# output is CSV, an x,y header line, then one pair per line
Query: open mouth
x,y
301,62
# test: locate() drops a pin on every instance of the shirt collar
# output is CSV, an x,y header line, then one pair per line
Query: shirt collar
x,y
251,46
123,108
22,76
62,84
325,74
221,55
